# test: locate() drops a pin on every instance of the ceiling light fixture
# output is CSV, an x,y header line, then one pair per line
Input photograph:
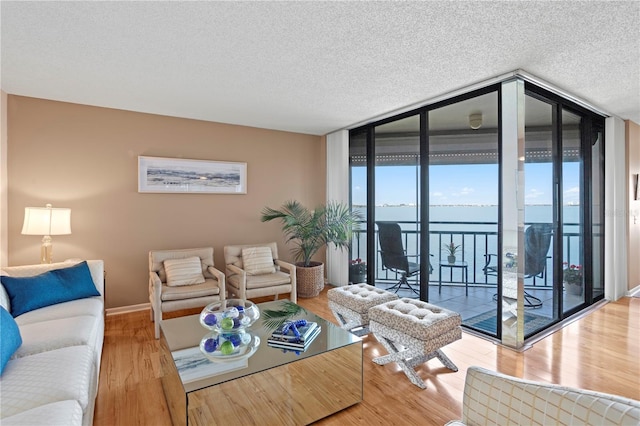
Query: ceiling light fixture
x,y
475,121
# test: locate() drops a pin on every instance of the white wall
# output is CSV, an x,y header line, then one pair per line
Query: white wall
x,y
615,250
338,190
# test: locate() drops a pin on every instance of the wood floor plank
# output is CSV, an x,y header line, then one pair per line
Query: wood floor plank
x,y
599,352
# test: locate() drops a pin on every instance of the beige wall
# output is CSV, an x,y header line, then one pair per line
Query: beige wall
x,y
633,167
85,158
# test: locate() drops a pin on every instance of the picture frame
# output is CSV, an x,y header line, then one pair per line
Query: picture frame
x,y
187,176
636,189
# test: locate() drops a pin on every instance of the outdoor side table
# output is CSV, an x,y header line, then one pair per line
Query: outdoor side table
x,y
464,268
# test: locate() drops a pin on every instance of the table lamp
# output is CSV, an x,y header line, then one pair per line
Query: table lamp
x,y
46,221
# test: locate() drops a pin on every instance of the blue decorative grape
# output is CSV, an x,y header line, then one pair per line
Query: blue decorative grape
x,y
234,338
237,322
210,345
210,319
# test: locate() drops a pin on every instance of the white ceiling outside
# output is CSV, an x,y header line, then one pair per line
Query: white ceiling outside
x,y
312,67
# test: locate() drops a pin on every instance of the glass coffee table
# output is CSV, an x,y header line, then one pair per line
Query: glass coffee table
x,y
269,385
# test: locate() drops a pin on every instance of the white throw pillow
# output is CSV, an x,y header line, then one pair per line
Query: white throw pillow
x,y
183,271
258,260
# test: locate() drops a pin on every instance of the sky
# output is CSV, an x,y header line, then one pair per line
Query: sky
x,y
470,184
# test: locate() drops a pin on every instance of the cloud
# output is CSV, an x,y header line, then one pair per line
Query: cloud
x,y
533,194
466,191
437,196
571,195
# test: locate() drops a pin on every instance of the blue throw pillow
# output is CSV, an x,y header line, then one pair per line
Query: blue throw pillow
x,y
11,339
56,286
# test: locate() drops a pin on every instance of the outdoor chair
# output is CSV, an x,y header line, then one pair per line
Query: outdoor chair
x,y
537,240
394,257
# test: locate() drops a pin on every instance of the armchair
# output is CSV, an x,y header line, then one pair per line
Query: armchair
x,y
492,398
254,270
182,279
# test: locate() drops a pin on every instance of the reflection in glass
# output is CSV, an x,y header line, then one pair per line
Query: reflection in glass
x,y
572,241
358,193
597,211
539,202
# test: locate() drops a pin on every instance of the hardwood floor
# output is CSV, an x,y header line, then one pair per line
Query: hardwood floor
x,y
600,351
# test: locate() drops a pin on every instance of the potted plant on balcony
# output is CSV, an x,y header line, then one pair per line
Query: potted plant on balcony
x,y
357,271
309,231
572,278
451,249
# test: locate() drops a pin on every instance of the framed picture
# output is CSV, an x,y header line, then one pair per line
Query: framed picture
x,y
178,175
636,189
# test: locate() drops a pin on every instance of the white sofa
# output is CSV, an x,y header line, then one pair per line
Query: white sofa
x,y
52,378
492,398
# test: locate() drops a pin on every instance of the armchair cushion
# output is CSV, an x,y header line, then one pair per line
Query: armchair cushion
x,y
207,288
185,271
258,260
262,281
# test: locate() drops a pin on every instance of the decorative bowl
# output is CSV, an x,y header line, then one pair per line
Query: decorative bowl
x,y
229,315
223,346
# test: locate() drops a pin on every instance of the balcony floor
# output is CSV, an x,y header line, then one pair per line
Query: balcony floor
x,y
480,299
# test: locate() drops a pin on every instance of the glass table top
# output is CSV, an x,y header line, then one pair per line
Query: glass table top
x,y
183,336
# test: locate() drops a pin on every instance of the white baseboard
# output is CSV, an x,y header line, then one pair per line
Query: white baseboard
x,y
634,292
126,309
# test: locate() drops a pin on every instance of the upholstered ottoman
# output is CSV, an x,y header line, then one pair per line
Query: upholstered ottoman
x,y
413,332
350,305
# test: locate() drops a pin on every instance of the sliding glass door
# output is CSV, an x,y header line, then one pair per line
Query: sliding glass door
x,y
463,141
491,204
397,205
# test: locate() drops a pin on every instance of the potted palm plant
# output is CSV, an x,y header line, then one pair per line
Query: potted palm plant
x,y
451,249
309,231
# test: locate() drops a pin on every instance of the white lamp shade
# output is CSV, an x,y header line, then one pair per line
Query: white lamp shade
x,y
46,221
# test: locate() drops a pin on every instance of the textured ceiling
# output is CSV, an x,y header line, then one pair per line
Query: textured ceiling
x,y
312,67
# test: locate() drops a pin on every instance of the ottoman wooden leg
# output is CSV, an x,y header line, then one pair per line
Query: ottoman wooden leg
x,y
351,325
349,320
445,360
402,358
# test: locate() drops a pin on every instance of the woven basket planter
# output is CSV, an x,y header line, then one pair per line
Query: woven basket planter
x,y
310,279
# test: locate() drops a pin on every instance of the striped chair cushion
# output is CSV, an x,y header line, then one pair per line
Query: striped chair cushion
x,y
258,260
185,271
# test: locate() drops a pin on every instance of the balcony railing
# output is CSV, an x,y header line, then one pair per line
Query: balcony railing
x,y
476,240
